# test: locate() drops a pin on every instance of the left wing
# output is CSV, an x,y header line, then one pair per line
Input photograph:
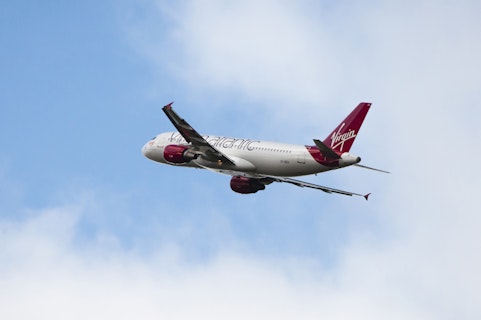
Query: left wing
x,y
204,148
315,186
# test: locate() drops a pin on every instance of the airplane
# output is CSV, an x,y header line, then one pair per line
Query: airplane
x,y
253,164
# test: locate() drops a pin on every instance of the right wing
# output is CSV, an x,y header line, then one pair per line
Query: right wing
x,y
204,148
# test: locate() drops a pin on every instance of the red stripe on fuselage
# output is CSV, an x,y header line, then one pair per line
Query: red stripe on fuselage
x,y
317,155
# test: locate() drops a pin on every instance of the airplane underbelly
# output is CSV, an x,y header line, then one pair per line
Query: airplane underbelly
x,y
240,164
288,172
297,166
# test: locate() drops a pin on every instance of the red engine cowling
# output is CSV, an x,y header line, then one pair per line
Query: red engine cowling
x,y
178,154
245,185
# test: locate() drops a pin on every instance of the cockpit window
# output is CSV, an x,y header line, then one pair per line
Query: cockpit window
x,y
153,138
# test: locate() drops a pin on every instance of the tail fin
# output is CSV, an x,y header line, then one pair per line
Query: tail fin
x,y
342,138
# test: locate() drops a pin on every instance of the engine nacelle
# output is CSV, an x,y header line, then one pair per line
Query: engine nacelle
x,y
178,154
246,185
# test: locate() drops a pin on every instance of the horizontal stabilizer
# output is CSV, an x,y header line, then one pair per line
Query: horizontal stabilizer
x,y
370,168
325,150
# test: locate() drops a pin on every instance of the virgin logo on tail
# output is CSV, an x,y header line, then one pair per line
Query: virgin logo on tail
x,y
342,137
338,138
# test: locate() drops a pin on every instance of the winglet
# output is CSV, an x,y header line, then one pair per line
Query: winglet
x,y
367,196
168,106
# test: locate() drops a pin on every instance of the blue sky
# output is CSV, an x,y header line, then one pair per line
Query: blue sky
x,y
88,226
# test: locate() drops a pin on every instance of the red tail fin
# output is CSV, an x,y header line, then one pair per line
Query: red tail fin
x,y
342,138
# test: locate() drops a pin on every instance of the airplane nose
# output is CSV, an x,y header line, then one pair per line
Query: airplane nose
x,y
146,150
152,151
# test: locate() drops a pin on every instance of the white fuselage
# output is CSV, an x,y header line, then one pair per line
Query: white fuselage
x,y
251,157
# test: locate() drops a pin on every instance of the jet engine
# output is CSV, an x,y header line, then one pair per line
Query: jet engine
x,y
246,185
178,154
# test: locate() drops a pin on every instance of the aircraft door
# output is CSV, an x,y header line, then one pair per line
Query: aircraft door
x,y
301,158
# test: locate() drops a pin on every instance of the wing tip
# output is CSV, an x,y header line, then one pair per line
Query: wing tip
x,y
366,196
168,106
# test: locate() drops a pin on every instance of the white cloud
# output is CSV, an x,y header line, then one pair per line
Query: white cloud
x,y
46,277
257,49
